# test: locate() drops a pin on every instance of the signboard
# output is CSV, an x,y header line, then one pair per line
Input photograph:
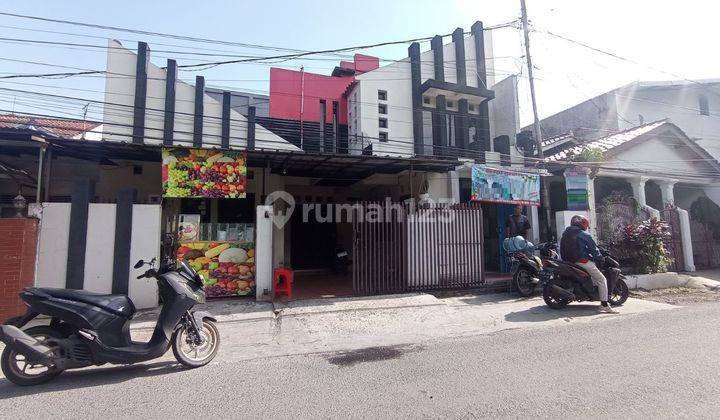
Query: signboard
x,y
203,173
493,185
576,186
227,267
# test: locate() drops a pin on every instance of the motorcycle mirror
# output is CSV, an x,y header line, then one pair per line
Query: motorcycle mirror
x,y
139,264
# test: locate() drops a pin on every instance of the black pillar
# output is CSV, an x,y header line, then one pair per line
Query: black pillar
x,y
251,128
459,40
418,140
461,128
199,111
439,125
123,238
143,56
225,132
170,79
81,197
436,45
336,128
483,127
321,125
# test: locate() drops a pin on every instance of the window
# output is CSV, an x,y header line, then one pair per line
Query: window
x,y
450,104
382,122
383,136
471,108
704,106
382,95
382,109
426,100
137,169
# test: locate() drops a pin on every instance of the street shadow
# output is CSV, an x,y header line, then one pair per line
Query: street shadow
x,y
89,378
542,313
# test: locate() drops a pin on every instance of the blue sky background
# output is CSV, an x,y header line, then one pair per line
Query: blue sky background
x,y
675,39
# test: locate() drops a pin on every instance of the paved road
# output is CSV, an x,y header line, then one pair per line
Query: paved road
x,y
652,364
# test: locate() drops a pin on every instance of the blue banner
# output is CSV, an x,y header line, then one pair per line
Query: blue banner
x,y
502,186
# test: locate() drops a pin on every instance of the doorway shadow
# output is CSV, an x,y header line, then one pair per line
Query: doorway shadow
x,y
90,378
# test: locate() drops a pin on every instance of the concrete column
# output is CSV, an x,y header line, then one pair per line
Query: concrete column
x,y
592,206
638,186
667,190
535,223
264,253
454,186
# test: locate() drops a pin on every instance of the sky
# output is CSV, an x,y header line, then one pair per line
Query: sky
x,y
666,39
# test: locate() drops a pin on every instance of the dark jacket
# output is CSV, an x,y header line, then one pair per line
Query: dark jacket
x,y
576,245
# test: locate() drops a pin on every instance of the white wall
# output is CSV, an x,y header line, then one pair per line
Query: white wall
x,y
100,243
118,112
678,103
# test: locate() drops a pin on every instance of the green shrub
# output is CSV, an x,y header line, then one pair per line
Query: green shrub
x,y
645,241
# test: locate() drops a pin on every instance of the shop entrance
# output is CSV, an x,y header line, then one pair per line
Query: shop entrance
x,y
316,239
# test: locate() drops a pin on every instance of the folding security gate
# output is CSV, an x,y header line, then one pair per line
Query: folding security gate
x,y
400,248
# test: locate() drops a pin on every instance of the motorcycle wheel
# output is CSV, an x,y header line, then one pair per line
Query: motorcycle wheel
x,y
620,293
192,355
19,371
523,282
552,301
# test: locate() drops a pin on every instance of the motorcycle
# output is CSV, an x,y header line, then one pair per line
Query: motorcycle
x,y
526,267
93,329
564,282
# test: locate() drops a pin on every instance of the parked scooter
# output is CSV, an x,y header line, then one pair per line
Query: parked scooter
x,y
525,266
564,282
92,329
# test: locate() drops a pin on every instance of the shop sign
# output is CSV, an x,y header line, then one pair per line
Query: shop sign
x,y
493,185
227,268
576,187
203,173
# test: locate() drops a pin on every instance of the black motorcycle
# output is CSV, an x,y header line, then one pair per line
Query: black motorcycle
x,y
564,282
526,267
93,329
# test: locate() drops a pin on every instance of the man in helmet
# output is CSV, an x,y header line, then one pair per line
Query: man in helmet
x,y
578,247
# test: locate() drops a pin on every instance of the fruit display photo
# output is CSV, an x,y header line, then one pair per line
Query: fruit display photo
x,y
227,268
203,173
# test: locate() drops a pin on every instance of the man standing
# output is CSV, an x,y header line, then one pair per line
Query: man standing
x,y
517,223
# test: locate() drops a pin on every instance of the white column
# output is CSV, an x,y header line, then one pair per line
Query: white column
x,y
454,187
264,252
592,206
535,223
638,186
667,190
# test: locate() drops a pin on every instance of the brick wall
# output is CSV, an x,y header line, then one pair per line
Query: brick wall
x,y
18,240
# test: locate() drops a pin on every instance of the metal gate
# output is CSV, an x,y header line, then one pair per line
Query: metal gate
x,y
400,247
706,251
674,244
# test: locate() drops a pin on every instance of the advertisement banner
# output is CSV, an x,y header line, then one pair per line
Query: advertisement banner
x,y
203,173
576,186
493,185
227,267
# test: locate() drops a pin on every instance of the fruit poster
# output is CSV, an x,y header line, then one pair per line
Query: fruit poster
x,y
203,173
227,268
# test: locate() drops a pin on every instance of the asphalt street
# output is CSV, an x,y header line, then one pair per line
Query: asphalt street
x,y
656,364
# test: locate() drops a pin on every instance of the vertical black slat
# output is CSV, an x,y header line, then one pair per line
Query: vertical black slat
x,y
453,241
354,251
473,238
251,128
321,126
366,256
143,57
199,111
435,233
404,250
415,81
336,126
396,251
458,38
409,250
465,245
436,45
481,239
419,249
225,131
386,255
427,251
81,196
123,237
169,121
461,128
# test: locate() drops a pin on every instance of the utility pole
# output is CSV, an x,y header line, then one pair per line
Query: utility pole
x,y
537,134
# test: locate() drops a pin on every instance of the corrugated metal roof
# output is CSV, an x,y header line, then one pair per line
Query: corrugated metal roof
x,y
608,142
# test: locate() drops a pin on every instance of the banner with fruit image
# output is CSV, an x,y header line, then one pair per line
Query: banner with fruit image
x,y
203,173
228,268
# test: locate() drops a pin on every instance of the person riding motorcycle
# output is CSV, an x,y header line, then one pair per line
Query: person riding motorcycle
x,y
578,247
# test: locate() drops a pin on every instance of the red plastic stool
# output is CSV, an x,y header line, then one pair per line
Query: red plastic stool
x,y
282,282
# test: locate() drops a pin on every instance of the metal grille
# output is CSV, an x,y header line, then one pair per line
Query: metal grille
x,y
706,251
430,247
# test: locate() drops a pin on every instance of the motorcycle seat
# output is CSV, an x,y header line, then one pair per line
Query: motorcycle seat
x,y
117,304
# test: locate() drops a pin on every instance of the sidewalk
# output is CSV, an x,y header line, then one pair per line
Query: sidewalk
x,y
255,329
